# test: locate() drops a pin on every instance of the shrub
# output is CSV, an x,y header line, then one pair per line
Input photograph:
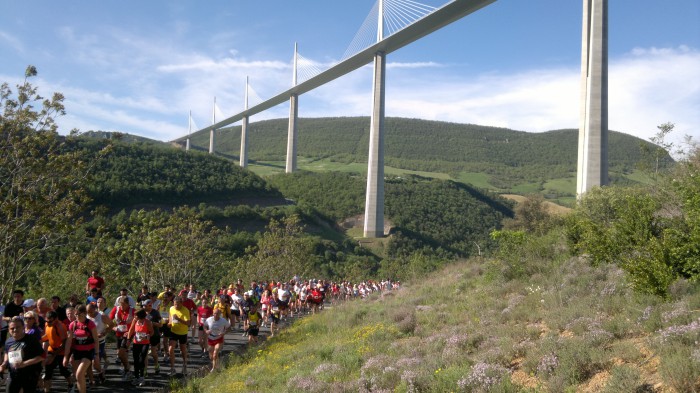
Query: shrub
x,y
623,379
679,369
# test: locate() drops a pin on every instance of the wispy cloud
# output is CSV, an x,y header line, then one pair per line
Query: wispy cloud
x,y
11,41
647,87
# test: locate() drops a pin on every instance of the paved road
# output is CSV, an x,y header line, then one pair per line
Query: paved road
x,y
234,342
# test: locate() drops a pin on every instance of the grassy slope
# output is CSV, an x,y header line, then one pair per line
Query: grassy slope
x,y
570,327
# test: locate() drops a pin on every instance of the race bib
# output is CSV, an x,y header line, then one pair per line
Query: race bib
x,y
164,315
15,358
122,328
81,340
140,337
275,309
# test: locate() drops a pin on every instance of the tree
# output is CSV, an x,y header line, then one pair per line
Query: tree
x,y
282,252
41,196
162,248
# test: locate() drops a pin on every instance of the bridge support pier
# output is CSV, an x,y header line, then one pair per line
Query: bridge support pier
x,y
374,200
243,161
292,134
592,167
211,141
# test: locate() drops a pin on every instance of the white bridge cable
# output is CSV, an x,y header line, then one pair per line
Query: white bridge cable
x,y
306,68
397,15
366,36
253,97
401,13
193,125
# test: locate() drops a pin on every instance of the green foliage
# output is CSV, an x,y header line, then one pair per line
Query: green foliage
x,y
335,195
161,248
653,233
621,225
281,253
147,173
509,158
531,215
41,192
440,216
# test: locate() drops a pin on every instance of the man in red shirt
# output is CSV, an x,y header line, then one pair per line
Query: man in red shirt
x,y
95,281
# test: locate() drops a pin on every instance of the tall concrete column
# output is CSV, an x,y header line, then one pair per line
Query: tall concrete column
x,y
243,161
211,132
593,128
293,115
292,134
374,201
244,142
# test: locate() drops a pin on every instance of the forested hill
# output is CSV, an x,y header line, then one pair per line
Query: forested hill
x,y
420,144
134,173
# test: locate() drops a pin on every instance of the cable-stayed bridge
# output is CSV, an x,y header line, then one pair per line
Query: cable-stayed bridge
x,y
393,24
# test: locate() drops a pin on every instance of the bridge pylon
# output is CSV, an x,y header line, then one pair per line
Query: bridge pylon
x,y
592,168
293,116
243,158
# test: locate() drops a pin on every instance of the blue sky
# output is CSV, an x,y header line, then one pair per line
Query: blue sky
x,y
141,66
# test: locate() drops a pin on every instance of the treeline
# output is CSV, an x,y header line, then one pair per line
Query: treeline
x,y
435,217
442,216
511,157
134,173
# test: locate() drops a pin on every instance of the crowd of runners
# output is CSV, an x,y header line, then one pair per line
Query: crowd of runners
x,y
39,337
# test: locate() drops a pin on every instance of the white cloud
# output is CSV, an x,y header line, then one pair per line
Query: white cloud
x,y
12,41
647,87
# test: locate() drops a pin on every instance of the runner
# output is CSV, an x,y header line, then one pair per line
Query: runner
x,y
125,293
254,320
315,299
274,315
122,315
245,307
103,325
96,282
283,297
166,301
55,336
191,306
204,311
179,326
139,334
81,347
236,301
215,328
23,357
157,322
265,300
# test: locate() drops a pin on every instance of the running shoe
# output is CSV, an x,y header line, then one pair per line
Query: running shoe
x,y
171,372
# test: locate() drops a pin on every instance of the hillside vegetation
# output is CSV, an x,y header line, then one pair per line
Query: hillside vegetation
x,y
606,299
570,327
433,216
511,160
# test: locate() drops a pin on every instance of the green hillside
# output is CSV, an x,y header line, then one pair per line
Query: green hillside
x,y
501,159
134,173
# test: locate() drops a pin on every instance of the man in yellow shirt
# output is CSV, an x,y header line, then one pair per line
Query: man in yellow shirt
x,y
179,322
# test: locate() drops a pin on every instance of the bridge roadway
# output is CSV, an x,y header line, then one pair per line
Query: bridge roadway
x,y
234,343
452,11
